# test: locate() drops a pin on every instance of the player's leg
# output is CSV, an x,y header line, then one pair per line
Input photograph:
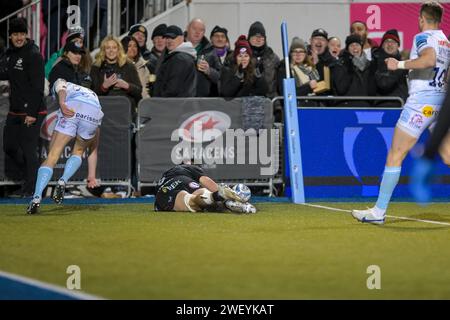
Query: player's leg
x,y
45,171
205,199
186,202
402,143
92,162
71,167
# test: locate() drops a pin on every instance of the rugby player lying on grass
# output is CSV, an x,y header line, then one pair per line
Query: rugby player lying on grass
x,y
187,188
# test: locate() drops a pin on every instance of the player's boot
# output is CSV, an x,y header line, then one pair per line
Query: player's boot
x,y
33,206
368,216
239,207
58,194
228,194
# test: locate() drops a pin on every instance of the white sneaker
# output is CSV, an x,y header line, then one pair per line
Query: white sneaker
x,y
368,216
228,194
239,207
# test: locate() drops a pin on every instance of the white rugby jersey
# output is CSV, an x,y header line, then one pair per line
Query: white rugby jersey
x,y
75,92
429,85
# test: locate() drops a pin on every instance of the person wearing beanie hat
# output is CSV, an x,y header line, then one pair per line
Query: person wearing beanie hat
x,y
75,33
221,43
266,59
391,34
360,28
159,48
242,79
319,43
389,83
302,70
353,39
322,60
23,66
257,28
352,75
242,46
257,37
18,25
140,33
159,30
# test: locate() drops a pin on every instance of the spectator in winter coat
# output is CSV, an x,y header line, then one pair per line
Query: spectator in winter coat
x,y
157,53
352,75
177,75
301,67
140,33
242,79
208,63
221,44
389,83
131,48
266,59
23,66
321,56
360,28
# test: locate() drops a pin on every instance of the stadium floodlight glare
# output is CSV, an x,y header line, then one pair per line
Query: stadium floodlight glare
x,y
292,128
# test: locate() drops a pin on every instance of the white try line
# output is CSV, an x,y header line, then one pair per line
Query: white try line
x,y
395,217
38,288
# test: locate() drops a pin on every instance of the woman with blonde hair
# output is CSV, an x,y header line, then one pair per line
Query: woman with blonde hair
x,y
113,74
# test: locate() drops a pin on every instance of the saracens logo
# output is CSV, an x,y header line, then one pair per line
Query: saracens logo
x,y
204,126
48,125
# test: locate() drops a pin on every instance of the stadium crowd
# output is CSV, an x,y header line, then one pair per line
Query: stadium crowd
x,y
188,63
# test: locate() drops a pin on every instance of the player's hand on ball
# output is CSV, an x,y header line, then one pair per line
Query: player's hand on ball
x,y
391,63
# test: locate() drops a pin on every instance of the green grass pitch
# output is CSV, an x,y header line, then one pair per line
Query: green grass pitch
x,y
282,252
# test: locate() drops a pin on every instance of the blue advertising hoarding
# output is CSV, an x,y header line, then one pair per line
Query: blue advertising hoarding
x,y
344,153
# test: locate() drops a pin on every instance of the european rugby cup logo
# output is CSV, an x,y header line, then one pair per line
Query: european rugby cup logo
x,y
352,133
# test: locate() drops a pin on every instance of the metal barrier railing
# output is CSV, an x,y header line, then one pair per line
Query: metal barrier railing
x,y
341,98
98,18
32,12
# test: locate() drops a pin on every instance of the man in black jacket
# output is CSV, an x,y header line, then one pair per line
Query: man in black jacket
x,y
208,63
23,66
177,75
389,83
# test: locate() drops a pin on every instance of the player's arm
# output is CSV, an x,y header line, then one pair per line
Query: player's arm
x,y
60,88
208,183
426,59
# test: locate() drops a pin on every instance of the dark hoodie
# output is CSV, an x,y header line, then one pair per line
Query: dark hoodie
x,y
177,75
24,68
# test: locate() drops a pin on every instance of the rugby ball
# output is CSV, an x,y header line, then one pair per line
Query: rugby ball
x,y
243,191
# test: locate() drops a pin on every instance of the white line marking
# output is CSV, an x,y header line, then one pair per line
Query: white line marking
x,y
47,286
395,217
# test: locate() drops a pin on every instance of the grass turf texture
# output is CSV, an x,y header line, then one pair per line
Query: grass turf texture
x,y
282,252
